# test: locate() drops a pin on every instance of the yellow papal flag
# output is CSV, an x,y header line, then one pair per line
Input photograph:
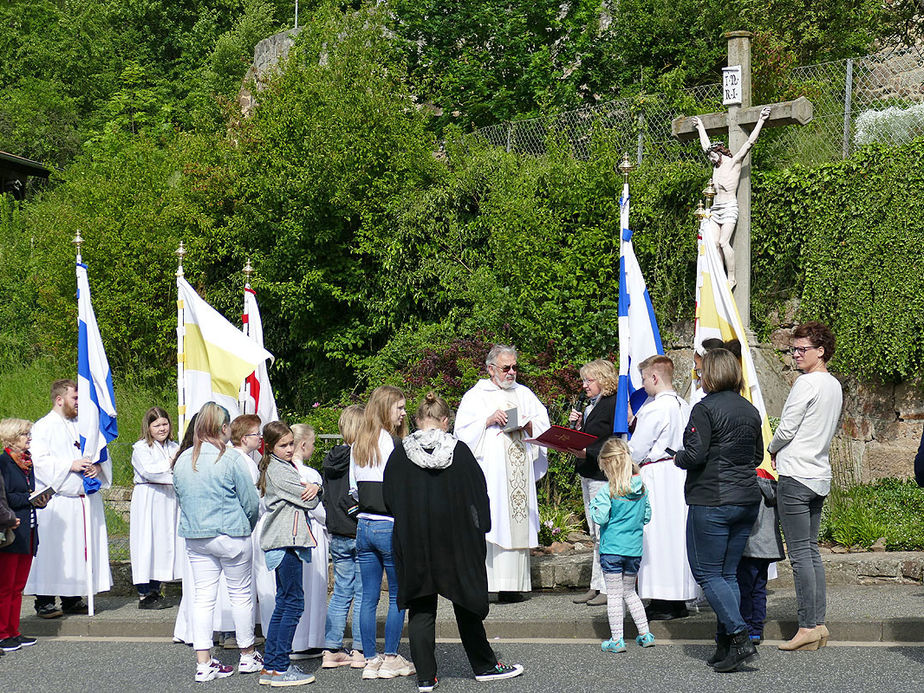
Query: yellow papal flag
x,y
216,355
717,317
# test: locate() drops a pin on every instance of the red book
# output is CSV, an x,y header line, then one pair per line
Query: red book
x,y
563,439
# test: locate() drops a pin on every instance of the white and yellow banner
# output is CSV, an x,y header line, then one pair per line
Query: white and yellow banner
x,y
216,355
717,317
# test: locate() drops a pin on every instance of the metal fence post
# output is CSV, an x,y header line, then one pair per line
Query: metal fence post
x,y
641,138
509,135
848,102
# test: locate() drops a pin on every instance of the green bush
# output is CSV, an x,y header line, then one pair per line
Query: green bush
x,y
890,508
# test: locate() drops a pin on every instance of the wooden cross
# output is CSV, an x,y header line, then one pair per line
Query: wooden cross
x,y
738,123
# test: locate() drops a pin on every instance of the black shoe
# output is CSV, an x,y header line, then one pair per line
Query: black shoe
x,y
500,671
75,608
721,649
312,653
48,611
510,597
153,601
740,650
9,644
25,640
428,685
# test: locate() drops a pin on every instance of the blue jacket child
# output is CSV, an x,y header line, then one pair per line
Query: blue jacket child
x,y
622,519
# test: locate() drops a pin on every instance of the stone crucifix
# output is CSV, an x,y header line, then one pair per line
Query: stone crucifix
x,y
741,119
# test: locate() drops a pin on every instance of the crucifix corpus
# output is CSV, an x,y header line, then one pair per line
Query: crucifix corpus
x,y
741,119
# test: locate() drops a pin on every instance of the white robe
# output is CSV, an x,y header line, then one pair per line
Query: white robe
x,y
508,555
157,550
664,572
60,565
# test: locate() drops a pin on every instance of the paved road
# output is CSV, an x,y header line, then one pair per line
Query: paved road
x,y
66,665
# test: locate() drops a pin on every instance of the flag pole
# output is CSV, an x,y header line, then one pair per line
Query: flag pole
x,y
84,502
180,352
245,328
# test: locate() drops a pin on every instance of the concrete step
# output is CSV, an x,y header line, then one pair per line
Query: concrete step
x,y
856,613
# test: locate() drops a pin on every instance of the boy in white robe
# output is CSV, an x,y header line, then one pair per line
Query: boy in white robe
x,y
511,468
73,519
664,575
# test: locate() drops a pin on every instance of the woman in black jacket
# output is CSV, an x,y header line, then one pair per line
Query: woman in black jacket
x,y
600,381
16,559
722,445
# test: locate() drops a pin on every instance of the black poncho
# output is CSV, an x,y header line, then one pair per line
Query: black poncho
x,y
441,518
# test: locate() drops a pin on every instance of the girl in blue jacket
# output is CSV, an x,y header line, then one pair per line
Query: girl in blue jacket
x,y
621,509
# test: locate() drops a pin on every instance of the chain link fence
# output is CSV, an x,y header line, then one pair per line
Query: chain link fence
x,y
875,99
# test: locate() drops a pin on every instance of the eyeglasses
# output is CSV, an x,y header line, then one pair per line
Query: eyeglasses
x,y
252,435
506,369
800,350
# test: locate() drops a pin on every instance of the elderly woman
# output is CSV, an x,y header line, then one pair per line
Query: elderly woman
x,y
800,451
18,483
599,380
722,446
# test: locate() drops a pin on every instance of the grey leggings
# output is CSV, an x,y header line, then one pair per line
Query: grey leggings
x,y
800,518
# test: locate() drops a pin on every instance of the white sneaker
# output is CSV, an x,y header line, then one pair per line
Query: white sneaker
x,y
371,670
250,663
396,666
212,670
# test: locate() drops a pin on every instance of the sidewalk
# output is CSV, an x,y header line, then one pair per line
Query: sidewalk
x,y
856,613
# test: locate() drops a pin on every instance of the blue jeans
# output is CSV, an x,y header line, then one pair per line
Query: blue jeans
x,y
716,537
373,550
617,563
290,603
348,587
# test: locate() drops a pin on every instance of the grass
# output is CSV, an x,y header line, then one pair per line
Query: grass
x,y
24,393
889,508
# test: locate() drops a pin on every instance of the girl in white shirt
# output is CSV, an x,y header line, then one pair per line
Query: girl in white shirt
x,y
156,550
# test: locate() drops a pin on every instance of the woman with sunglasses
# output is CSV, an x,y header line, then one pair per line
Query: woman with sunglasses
x,y
799,450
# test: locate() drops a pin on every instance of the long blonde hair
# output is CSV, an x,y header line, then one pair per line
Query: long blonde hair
x,y
377,417
616,462
212,417
273,432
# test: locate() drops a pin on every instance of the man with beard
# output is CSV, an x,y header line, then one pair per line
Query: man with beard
x,y
73,513
511,467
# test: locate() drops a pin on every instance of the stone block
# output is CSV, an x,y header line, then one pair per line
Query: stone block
x,y
913,570
857,428
909,402
891,459
578,536
878,568
780,338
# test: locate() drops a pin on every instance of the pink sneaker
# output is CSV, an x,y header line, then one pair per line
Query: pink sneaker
x,y
338,658
212,670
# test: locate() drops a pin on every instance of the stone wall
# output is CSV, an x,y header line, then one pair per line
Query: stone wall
x,y
881,424
266,56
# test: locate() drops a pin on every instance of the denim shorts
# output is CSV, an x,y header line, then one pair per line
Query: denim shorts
x,y
614,563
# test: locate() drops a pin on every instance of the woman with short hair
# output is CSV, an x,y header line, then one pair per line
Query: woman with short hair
x,y
18,483
600,382
799,450
722,447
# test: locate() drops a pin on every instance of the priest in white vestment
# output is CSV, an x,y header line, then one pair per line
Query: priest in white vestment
x,y
511,467
664,575
72,519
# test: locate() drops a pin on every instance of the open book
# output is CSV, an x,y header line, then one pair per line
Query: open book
x,y
563,439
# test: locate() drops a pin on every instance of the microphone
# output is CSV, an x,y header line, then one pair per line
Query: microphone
x,y
578,405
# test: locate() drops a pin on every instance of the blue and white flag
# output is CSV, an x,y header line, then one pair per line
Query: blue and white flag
x,y
96,412
639,337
